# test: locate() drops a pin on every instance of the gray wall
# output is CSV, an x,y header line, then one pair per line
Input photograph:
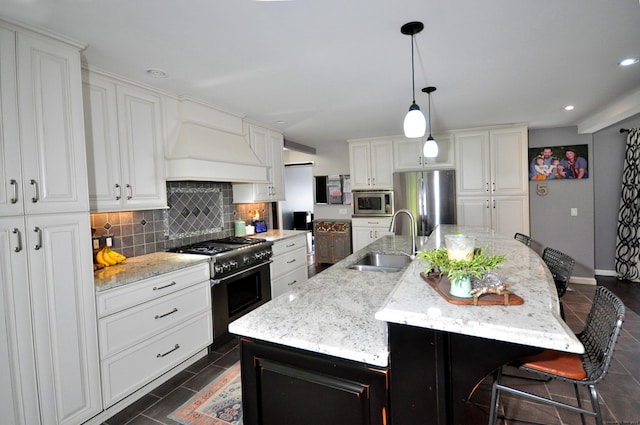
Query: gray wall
x,y
550,215
608,152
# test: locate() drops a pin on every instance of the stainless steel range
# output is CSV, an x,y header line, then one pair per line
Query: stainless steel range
x,y
240,278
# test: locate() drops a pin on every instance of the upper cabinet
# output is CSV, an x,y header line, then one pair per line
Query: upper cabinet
x,y
125,148
492,162
492,179
268,146
42,151
408,154
371,164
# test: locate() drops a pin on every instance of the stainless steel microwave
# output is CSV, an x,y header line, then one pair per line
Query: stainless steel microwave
x,y
378,203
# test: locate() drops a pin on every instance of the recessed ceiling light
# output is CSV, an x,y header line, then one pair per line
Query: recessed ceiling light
x,y
569,108
628,61
156,73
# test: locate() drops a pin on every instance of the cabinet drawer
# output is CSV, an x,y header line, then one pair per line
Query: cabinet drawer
x,y
289,244
287,262
129,327
118,299
126,372
287,281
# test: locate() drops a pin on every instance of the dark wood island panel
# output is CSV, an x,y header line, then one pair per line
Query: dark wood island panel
x,y
284,385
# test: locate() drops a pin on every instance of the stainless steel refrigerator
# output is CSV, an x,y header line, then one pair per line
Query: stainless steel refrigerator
x,y
429,195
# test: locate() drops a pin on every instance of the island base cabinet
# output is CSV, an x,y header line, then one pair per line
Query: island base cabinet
x,y
434,373
283,385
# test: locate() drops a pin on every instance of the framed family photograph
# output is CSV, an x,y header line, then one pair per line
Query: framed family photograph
x,y
559,162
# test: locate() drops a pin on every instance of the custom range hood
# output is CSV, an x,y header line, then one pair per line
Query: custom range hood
x,y
209,146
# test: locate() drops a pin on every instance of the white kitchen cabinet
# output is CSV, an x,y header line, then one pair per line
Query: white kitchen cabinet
x,y
289,266
371,164
492,179
268,146
367,230
408,154
42,151
149,327
125,148
46,273
49,335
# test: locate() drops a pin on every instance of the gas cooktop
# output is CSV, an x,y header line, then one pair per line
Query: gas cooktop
x,y
218,246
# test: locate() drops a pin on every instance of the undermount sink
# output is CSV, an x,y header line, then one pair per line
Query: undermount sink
x,y
378,262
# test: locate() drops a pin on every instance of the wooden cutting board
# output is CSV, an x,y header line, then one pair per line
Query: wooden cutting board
x,y
441,284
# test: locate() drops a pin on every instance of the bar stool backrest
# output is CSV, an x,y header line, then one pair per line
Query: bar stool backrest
x,y
561,266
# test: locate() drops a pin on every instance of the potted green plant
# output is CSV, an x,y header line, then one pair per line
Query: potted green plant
x,y
460,271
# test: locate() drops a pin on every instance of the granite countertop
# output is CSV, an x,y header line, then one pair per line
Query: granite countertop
x,y
275,235
141,267
536,323
332,313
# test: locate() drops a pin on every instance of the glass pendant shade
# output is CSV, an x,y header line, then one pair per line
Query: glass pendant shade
x,y
415,124
430,149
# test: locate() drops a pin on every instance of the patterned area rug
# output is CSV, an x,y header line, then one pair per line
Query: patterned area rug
x,y
219,403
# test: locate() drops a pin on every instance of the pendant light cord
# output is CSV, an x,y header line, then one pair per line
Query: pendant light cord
x,y
413,77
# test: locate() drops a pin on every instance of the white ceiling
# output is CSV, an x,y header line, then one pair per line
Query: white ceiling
x,y
341,69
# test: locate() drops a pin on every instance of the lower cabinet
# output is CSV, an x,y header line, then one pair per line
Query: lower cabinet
x,y
367,230
149,327
284,385
289,266
332,241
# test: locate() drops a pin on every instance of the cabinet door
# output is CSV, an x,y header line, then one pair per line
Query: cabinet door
x,y
341,244
359,154
64,317
510,214
472,163
18,388
407,154
474,211
277,167
322,247
382,164
362,236
10,172
51,126
142,149
103,145
509,172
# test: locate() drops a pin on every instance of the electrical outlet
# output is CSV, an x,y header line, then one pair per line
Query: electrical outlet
x,y
96,243
574,212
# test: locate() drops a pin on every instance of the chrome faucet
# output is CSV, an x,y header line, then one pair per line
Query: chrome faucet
x,y
392,228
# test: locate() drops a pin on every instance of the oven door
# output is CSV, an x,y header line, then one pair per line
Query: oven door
x,y
237,295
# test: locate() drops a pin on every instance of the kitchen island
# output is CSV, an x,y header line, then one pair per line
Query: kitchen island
x,y
361,340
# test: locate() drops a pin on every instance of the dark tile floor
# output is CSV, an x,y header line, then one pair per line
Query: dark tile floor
x,y
620,390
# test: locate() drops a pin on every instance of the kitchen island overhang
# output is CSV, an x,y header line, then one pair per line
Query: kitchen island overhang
x,y
360,319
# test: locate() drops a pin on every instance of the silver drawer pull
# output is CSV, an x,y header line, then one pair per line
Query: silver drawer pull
x,y
168,352
157,288
36,193
129,191
18,247
160,316
289,246
292,261
38,244
292,283
14,186
119,195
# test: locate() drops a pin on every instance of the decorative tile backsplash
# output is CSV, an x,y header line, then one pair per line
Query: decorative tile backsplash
x,y
197,211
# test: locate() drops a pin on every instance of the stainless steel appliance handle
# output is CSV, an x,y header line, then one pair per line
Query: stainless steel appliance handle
x,y
217,281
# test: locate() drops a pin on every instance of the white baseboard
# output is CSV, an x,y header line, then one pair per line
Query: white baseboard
x,y
600,272
583,280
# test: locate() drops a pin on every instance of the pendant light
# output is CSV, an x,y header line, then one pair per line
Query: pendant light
x,y
415,124
430,149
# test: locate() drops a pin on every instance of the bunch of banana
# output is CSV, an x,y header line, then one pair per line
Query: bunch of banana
x,y
108,257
